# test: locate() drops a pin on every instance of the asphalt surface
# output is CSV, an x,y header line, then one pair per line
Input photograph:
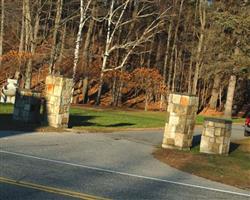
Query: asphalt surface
x,y
94,166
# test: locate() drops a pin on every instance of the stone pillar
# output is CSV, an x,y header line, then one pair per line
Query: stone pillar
x,y
27,106
58,91
216,135
181,117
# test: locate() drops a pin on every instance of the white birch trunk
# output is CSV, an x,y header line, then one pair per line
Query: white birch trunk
x,y
83,17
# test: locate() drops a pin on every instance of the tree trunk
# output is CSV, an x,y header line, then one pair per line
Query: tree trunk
x,y
159,54
119,98
21,44
167,53
29,43
106,54
114,91
174,71
174,44
63,43
202,10
33,41
2,30
47,19
146,102
99,93
151,50
85,89
163,98
230,97
215,92
86,57
56,37
190,73
83,17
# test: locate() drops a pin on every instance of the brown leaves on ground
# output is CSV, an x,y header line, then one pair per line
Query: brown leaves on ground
x,y
232,170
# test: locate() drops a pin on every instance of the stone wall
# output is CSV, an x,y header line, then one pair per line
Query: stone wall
x,y
27,106
58,91
216,136
181,116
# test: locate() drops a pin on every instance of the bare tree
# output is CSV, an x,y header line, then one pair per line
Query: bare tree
x,y
56,37
31,34
170,73
1,30
202,14
109,38
83,20
129,45
86,53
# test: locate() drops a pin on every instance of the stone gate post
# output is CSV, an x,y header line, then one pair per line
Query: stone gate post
x,y
58,91
181,116
216,135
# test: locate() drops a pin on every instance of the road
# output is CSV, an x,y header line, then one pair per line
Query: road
x,y
98,166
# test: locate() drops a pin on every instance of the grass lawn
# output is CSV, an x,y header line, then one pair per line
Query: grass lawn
x,y
94,119
232,170
97,119
110,119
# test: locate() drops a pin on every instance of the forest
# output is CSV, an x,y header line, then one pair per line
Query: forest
x,y
131,53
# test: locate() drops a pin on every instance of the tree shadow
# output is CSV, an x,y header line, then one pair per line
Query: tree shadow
x,y
196,141
233,147
79,120
9,127
24,117
120,125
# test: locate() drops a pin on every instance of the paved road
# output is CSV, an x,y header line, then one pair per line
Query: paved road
x,y
95,166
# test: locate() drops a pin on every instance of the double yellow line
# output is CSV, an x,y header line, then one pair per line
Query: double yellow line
x,y
50,189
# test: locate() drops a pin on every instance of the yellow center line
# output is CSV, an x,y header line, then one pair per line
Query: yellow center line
x,y
50,189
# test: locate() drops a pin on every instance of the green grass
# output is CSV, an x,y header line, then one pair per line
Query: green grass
x,y
200,119
115,119
97,119
94,118
6,108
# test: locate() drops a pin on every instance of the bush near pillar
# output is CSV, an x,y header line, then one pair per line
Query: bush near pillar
x,y
181,116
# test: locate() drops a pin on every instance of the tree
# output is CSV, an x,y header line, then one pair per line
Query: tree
x,y
202,16
2,30
56,38
31,34
83,19
215,92
128,45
